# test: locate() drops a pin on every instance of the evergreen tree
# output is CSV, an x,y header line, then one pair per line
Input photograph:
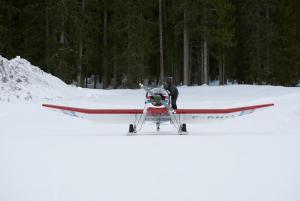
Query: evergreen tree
x,y
119,42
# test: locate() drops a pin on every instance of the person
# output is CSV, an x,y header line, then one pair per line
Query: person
x,y
172,90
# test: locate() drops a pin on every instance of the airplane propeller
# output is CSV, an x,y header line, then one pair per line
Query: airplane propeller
x,y
158,98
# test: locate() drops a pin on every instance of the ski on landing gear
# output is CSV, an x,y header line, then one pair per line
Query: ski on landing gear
x,y
183,130
132,130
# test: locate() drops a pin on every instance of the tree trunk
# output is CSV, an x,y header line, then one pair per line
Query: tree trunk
x,y
161,41
115,69
190,66
127,77
258,45
62,38
222,79
79,75
104,55
205,50
224,67
205,62
185,50
199,65
142,61
47,34
62,33
268,40
95,81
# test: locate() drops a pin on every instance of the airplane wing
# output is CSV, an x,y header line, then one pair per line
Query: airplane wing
x,y
197,115
100,115
132,115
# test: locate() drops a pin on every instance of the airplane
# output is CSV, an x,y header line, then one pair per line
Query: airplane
x,y
157,110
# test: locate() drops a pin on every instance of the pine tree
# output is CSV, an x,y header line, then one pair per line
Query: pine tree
x,y
119,42
9,12
222,34
286,59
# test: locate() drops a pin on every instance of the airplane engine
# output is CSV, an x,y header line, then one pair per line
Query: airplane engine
x,y
158,96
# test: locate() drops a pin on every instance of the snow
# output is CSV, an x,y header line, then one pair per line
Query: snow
x,y
48,156
22,81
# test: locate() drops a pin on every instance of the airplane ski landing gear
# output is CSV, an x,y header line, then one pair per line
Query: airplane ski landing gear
x,y
132,129
182,129
157,127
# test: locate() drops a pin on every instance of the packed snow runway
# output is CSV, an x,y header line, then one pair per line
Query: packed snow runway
x,y
150,168
48,156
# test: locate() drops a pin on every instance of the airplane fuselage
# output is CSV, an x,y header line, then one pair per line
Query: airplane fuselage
x,y
155,111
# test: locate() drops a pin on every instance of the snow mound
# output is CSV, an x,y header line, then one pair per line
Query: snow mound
x,y
19,80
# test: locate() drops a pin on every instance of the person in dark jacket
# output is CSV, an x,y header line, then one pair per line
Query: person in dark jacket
x,y
172,90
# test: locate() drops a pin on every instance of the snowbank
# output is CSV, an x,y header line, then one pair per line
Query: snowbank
x,y
20,80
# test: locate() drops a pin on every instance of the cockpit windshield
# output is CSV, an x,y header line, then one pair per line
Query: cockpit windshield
x,y
157,96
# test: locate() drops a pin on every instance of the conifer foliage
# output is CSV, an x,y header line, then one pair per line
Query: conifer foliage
x,y
119,43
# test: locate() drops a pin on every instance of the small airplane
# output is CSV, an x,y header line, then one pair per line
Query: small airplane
x,y
158,111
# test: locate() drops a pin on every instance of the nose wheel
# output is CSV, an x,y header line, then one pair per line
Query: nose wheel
x,y
157,127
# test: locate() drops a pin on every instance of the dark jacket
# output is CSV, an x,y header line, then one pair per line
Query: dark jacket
x,y
173,92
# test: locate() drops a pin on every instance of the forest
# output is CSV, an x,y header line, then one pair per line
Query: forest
x,y
120,43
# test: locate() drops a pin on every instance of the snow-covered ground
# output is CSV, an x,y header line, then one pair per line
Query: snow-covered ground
x,y
48,156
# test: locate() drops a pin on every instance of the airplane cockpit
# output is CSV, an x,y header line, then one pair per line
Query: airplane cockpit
x,y
158,96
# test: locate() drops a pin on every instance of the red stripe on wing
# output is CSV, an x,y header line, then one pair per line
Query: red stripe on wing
x,y
96,111
221,111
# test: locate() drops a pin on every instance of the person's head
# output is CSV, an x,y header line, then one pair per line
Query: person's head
x,y
169,80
